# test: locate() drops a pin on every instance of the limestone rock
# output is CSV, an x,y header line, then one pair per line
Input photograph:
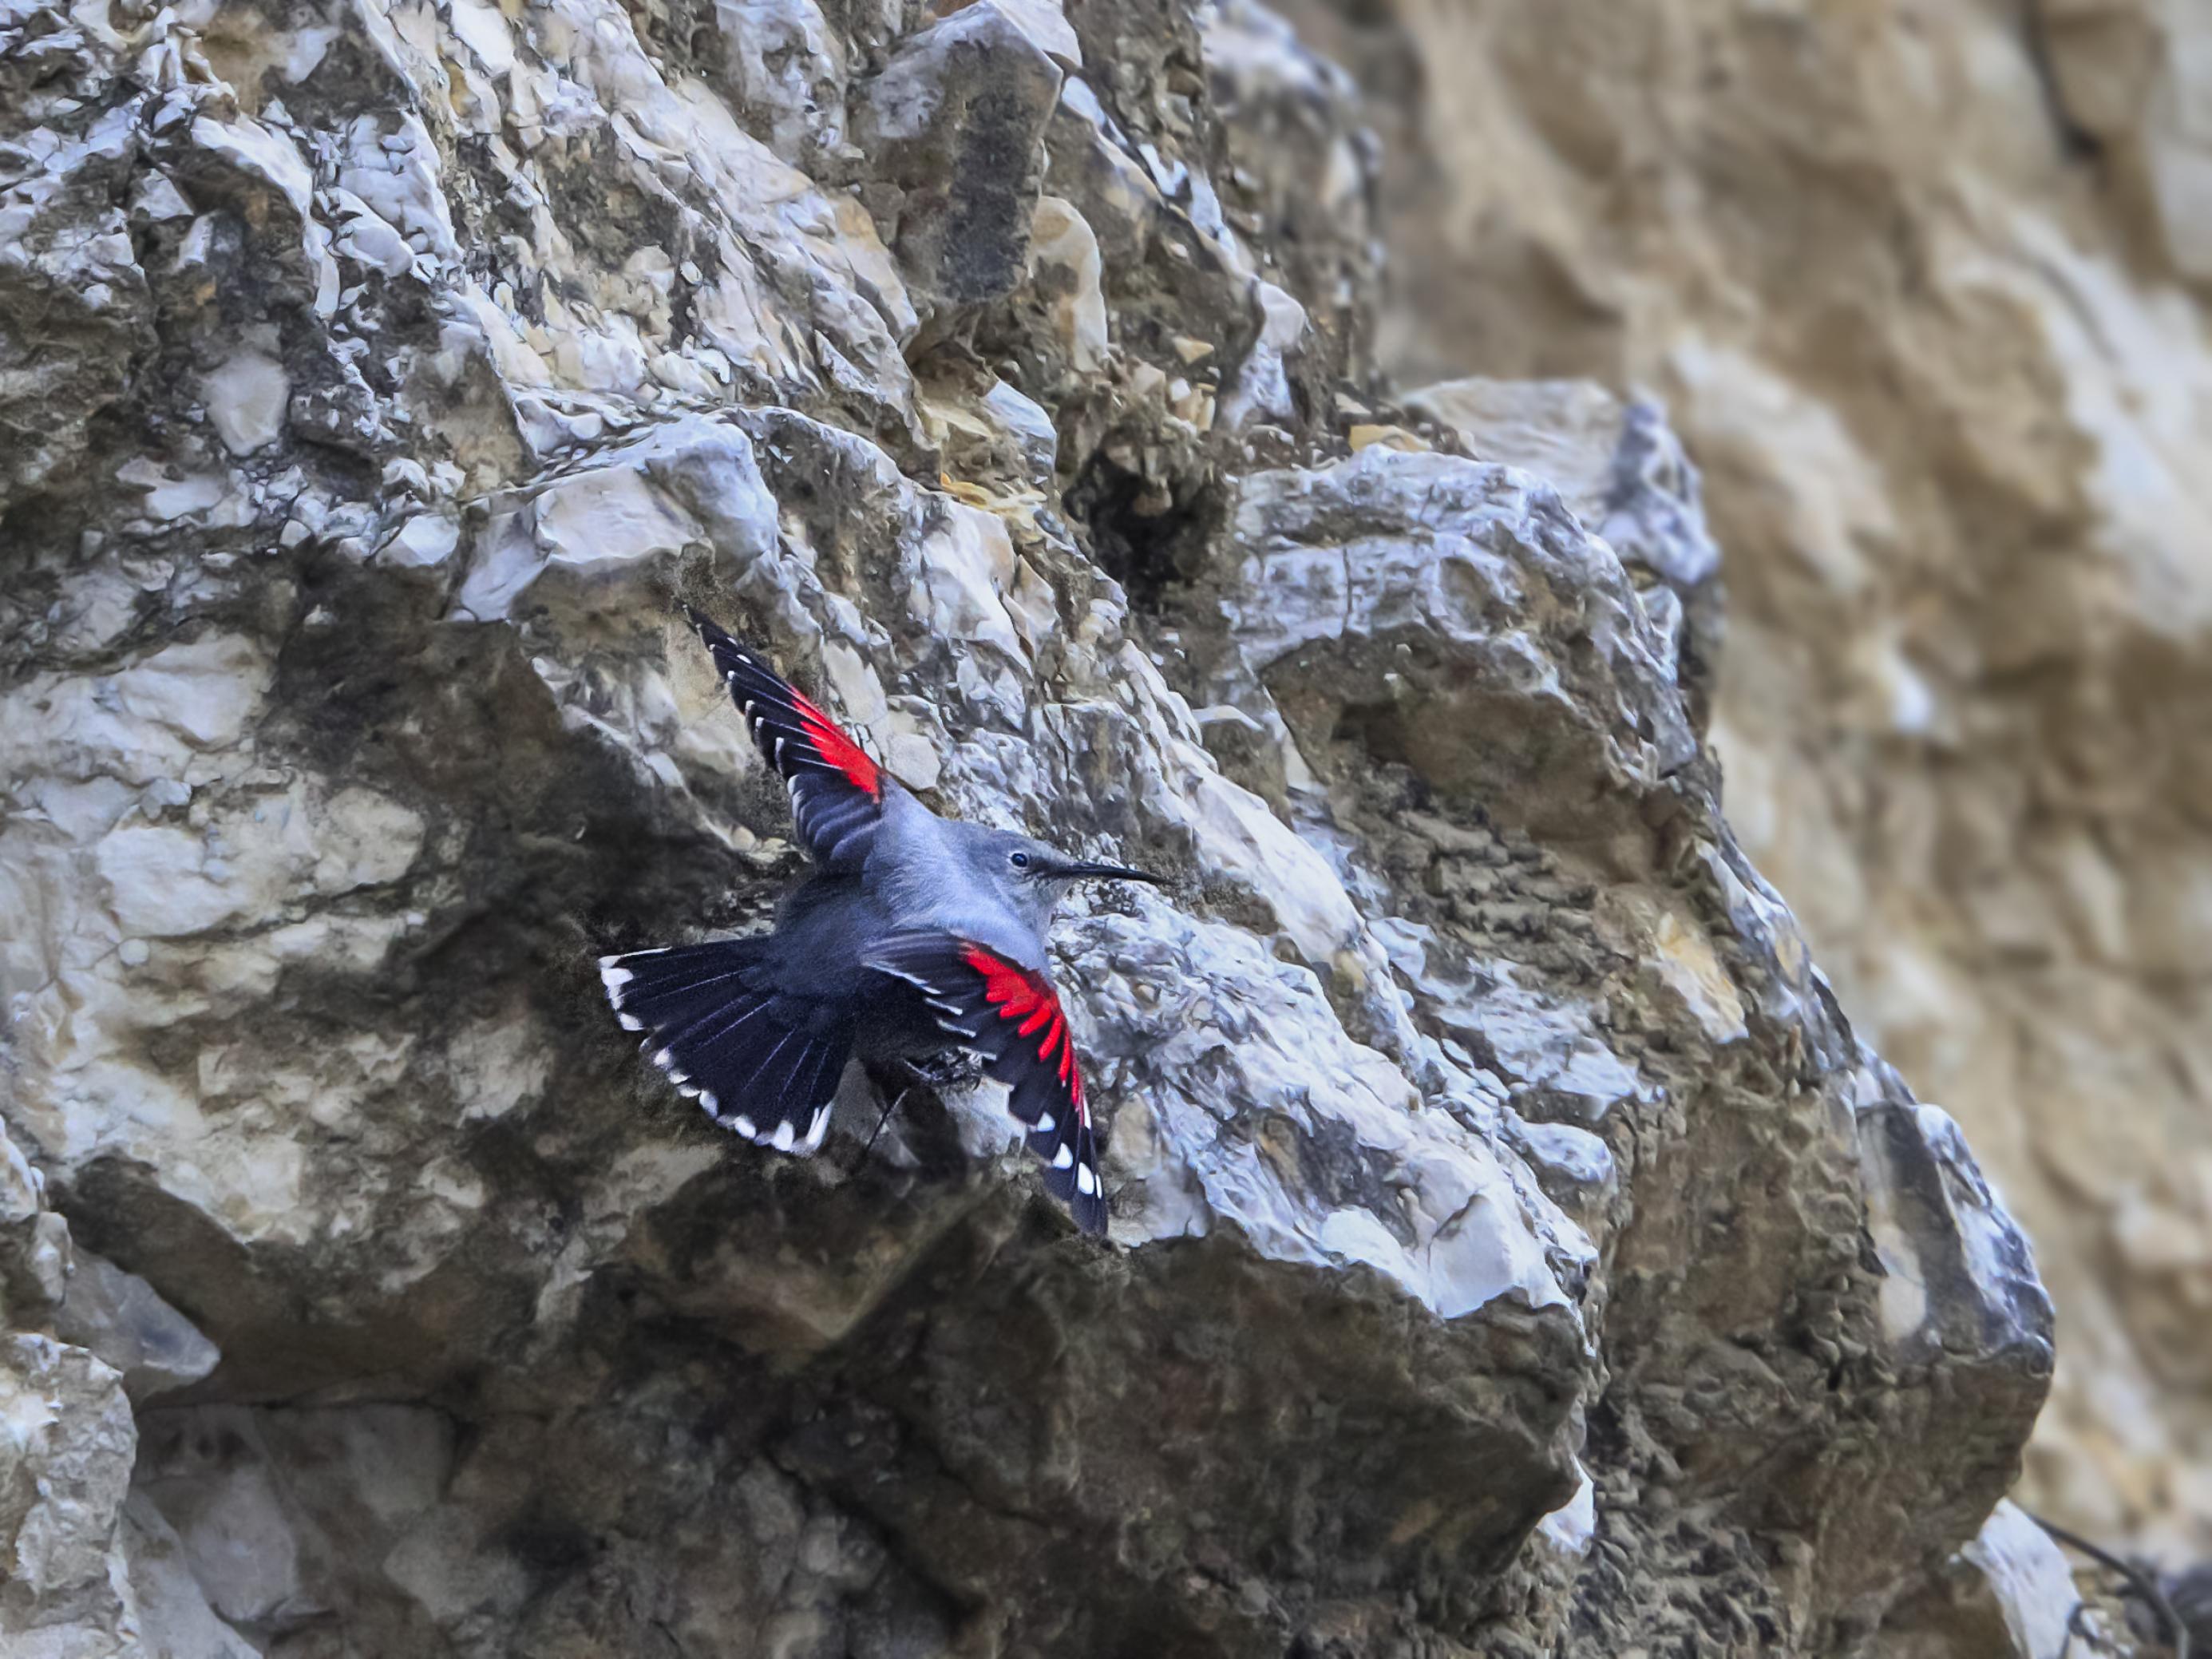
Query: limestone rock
x,y
174,1613
1621,470
66,1456
63,1472
1928,306
1427,597
34,1245
2009,1592
955,121
122,1320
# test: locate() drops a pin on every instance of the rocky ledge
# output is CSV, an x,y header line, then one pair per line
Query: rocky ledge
x,y
1514,1251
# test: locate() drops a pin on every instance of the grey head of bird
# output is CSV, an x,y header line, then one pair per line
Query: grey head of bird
x,y
1028,876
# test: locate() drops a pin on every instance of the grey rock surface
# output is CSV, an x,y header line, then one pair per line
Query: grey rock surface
x,y
955,124
1514,1250
67,1443
2009,1591
119,1318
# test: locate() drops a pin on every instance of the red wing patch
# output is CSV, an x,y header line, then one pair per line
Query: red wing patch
x,y
1012,1017
840,751
1019,994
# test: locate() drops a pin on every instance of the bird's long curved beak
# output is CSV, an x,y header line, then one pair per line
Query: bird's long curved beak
x,y
1081,871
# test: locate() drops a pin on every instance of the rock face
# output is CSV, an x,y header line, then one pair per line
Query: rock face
x,y
1928,298
1515,1249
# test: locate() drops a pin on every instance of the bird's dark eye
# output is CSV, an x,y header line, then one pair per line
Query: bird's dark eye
x,y
1021,860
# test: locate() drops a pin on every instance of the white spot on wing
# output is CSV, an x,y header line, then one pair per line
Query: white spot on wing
x,y
1085,1183
631,1022
1046,1123
815,1130
744,1126
781,1140
1064,1157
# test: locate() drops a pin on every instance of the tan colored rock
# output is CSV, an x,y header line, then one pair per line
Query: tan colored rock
x,y
1513,1245
1064,255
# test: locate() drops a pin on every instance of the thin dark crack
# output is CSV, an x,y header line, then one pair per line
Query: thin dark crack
x,y
2077,142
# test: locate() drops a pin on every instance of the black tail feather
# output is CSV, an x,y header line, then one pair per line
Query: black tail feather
x,y
666,989
759,1061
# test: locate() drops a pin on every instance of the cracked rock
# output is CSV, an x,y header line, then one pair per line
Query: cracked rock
x,y
956,122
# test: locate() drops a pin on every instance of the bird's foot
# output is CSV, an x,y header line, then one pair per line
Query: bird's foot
x,y
954,1069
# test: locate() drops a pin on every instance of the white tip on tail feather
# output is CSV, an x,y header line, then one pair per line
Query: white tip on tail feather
x,y
614,978
785,1137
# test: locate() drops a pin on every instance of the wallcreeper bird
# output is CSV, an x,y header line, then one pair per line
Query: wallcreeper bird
x,y
916,935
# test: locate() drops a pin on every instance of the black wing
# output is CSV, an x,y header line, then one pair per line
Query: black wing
x,y
1011,1016
836,792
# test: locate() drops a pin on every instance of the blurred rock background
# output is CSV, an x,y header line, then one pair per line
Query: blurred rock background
x,y
1516,1248
1924,288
